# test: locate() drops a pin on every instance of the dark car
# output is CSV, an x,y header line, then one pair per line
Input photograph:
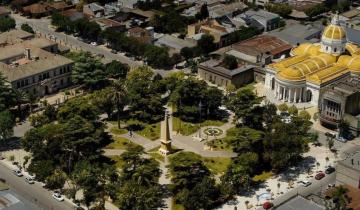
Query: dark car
x,y
319,176
329,170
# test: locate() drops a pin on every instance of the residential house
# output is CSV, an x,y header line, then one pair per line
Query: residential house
x,y
106,23
93,10
297,33
73,14
43,9
141,34
212,27
173,43
226,10
269,21
351,18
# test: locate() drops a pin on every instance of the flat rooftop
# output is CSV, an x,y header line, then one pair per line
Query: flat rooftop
x,y
262,44
214,66
299,203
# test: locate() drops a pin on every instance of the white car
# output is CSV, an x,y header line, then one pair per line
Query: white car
x,y
305,183
29,180
94,43
341,139
57,196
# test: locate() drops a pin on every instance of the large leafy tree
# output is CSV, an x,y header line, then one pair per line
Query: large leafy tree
x,y
116,70
88,71
206,44
7,23
144,99
7,123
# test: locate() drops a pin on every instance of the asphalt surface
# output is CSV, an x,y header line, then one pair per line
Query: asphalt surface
x,y
33,193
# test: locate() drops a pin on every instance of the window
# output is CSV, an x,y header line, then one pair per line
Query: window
x,y
335,49
18,84
55,72
26,82
61,71
33,79
61,82
40,77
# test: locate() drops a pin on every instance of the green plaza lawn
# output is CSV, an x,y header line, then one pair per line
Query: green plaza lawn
x,y
120,143
149,131
187,128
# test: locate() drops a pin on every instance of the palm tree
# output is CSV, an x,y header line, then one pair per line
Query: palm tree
x,y
20,98
340,198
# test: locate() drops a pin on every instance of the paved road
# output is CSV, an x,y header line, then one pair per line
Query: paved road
x,y
42,26
34,193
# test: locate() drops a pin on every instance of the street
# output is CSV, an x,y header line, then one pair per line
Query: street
x,y
32,193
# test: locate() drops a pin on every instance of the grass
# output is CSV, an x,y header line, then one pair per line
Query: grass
x,y
119,162
3,186
117,131
120,143
154,153
221,145
150,131
187,128
177,206
263,176
217,164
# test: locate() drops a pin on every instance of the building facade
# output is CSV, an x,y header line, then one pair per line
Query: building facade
x,y
312,67
348,169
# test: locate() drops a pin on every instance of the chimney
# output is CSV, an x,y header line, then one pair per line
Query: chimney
x,y
27,53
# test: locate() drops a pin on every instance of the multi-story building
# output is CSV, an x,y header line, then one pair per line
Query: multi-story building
x,y
348,169
32,65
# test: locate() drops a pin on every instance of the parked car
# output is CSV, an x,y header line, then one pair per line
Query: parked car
x,y
330,134
113,51
18,173
341,139
329,170
319,176
80,39
29,180
94,43
57,196
305,183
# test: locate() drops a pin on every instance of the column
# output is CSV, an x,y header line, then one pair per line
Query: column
x,y
291,94
286,94
295,95
283,93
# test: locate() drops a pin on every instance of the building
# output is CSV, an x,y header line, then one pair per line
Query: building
x,y
341,101
73,14
43,9
299,203
269,21
351,18
214,72
173,43
260,50
32,65
209,26
297,33
311,67
106,23
141,34
93,10
226,10
4,12
348,169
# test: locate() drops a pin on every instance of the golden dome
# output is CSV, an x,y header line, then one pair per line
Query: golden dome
x,y
334,30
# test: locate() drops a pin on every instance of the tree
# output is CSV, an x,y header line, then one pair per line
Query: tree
x,y
7,94
241,103
245,139
304,115
204,12
7,123
144,100
230,62
104,100
6,24
56,180
344,128
281,9
283,107
187,52
26,27
206,44
77,107
88,71
315,10
340,197
121,98
116,70
293,110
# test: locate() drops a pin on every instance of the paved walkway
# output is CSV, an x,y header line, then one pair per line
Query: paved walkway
x,y
165,180
113,152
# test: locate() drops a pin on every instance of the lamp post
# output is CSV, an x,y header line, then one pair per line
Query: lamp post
x,y
200,106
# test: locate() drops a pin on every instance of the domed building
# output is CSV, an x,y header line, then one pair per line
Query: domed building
x,y
311,67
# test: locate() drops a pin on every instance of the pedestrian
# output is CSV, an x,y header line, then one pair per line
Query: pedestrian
x,y
131,134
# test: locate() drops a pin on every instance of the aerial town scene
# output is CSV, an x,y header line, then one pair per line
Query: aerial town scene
x,y
179,105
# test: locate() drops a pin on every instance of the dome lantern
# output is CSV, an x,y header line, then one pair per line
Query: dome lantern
x,y
333,39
